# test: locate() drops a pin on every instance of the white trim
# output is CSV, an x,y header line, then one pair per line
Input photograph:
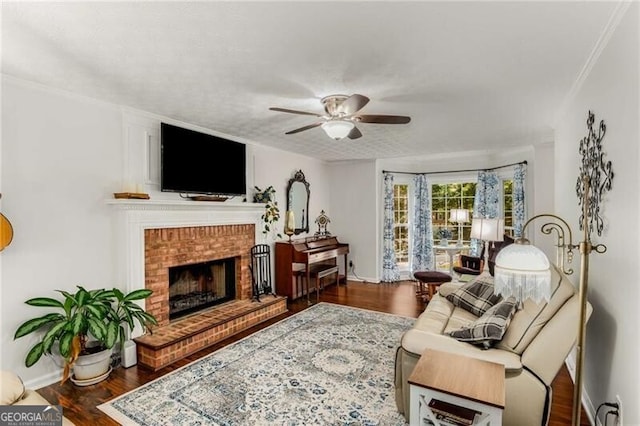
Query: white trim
x,y
45,380
61,92
133,217
147,117
594,56
586,400
368,280
147,158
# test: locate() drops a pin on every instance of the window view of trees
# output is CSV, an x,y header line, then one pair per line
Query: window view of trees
x,y
401,222
507,207
445,197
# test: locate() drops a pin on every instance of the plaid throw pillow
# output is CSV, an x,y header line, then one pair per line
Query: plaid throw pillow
x,y
475,297
490,327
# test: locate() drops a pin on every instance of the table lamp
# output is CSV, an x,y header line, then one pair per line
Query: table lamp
x,y
485,229
459,216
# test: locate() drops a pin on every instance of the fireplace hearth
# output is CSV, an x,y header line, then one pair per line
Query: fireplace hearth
x,y
198,286
180,233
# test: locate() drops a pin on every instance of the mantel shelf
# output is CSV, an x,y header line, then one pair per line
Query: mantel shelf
x,y
159,204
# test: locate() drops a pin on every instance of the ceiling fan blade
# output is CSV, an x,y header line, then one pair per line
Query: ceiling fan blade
x,y
354,133
353,104
293,111
383,119
302,129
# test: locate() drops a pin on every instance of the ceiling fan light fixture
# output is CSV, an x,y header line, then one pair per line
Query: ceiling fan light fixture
x,y
337,129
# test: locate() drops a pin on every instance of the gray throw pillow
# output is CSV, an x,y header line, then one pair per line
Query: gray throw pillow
x,y
475,297
490,327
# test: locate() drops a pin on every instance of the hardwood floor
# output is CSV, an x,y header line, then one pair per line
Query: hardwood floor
x,y
80,402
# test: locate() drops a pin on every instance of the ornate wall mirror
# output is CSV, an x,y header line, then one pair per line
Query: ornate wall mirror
x,y
298,195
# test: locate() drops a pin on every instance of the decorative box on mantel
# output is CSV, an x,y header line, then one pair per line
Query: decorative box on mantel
x,y
152,236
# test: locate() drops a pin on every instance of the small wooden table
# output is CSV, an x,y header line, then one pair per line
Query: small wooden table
x,y
455,379
451,250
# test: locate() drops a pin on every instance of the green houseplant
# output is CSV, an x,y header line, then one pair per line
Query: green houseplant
x,y
271,213
88,321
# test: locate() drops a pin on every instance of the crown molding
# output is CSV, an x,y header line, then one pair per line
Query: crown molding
x,y
614,20
29,84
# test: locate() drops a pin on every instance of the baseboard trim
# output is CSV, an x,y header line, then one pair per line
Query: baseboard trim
x,y
363,279
43,381
586,399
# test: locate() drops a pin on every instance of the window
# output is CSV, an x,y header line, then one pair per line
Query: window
x,y
507,203
447,196
401,224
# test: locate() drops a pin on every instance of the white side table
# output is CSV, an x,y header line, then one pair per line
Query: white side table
x,y
451,251
466,382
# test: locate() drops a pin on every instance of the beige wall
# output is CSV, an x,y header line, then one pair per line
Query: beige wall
x,y
63,156
611,91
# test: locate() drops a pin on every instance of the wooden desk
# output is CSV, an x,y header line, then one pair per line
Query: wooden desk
x,y
456,379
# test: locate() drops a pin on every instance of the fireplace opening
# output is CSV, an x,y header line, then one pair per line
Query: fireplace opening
x,y
197,286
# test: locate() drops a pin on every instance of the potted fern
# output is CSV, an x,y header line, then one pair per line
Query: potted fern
x,y
86,327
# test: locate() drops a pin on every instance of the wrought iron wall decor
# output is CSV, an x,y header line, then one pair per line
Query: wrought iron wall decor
x,y
594,180
596,176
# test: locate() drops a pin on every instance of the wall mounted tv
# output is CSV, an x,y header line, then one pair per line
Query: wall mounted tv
x,y
197,163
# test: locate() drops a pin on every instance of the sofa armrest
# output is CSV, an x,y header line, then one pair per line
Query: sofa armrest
x,y
417,341
447,288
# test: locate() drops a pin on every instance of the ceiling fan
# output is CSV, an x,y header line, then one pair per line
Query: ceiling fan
x,y
342,115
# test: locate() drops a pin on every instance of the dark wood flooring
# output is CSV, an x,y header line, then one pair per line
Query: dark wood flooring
x,y
80,402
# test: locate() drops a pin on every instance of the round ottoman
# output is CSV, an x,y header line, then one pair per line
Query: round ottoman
x,y
432,280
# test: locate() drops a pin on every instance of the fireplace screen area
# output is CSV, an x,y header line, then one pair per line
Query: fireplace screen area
x,y
198,286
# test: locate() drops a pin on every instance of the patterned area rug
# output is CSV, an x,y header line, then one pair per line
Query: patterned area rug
x,y
326,365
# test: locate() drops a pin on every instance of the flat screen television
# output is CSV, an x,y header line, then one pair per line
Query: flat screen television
x,y
197,163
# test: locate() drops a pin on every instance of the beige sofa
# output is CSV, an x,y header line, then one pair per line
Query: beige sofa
x,y
13,392
533,348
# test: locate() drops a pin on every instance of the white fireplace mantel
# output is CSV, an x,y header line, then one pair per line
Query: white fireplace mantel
x,y
132,217
163,205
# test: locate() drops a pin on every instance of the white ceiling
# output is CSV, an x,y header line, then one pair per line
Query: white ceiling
x,y
472,75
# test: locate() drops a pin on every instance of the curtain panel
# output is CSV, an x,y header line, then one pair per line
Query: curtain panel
x,y
486,203
390,272
422,232
519,214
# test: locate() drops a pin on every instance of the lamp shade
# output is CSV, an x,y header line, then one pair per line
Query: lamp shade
x,y
522,271
487,229
459,215
337,129
290,221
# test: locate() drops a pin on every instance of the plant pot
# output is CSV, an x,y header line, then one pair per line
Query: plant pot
x,y
93,365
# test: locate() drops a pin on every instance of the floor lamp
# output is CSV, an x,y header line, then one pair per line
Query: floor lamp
x,y
522,270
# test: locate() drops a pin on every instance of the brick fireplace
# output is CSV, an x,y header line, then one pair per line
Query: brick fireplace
x,y
154,235
169,247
